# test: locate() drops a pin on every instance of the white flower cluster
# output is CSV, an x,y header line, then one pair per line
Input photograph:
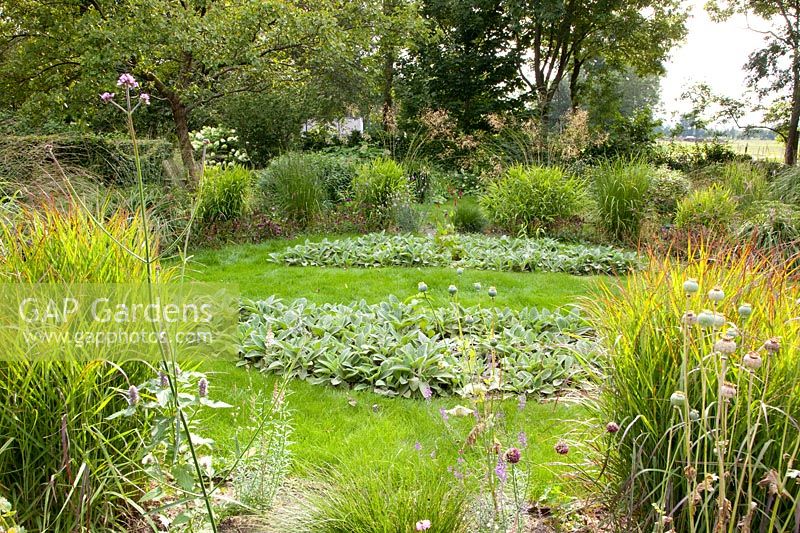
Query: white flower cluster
x,y
221,145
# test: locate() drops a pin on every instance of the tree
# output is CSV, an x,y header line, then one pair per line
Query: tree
x,y
557,39
775,68
188,53
464,66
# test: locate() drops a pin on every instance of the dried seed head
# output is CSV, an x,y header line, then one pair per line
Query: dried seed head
x,y
452,289
752,360
677,399
728,390
745,310
716,295
690,286
422,287
689,318
725,345
492,292
694,415
773,345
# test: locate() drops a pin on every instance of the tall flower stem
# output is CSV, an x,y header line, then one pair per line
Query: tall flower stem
x,y
689,471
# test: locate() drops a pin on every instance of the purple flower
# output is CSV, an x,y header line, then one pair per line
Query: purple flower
x,y
202,387
500,470
522,439
107,97
612,427
163,380
128,81
460,460
145,98
133,395
417,446
562,448
426,392
422,525
513,455
522,402
444,414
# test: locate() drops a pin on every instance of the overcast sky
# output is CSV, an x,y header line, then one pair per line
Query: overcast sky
x,y
713,53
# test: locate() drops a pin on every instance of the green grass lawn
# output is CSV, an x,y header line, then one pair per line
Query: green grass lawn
x,y
247,266
340,430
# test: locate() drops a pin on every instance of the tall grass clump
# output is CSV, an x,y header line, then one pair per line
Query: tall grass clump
x,y
392,496
701,376
64,465
468,217
713,208
529,199
620,188
223,193
293,183
382,190
747,182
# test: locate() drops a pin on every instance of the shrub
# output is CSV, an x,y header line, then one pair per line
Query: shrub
x,y
733,424
293,183
528,199
712,208
667,188
339,166
621,190
392,496
468,217
46,402
223,193
772,225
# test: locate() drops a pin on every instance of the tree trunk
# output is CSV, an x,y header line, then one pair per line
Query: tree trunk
x,y
180,116
388,86
790,156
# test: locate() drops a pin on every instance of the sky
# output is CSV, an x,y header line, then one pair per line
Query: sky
x,y
713,53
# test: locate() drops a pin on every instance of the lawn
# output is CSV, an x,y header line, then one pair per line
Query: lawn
x,y
343,430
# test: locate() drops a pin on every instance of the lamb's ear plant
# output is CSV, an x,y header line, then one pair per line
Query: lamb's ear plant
x,y
708,400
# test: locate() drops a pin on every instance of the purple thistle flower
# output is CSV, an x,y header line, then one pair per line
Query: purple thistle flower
x,y
202,387
107,97
145,98
500,470
522,439
513,455
562,448
163,380
128,81
133,395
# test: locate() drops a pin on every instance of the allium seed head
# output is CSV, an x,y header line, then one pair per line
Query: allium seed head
x,y
562,448
612,427
752,360
513,455
690,286
716,295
